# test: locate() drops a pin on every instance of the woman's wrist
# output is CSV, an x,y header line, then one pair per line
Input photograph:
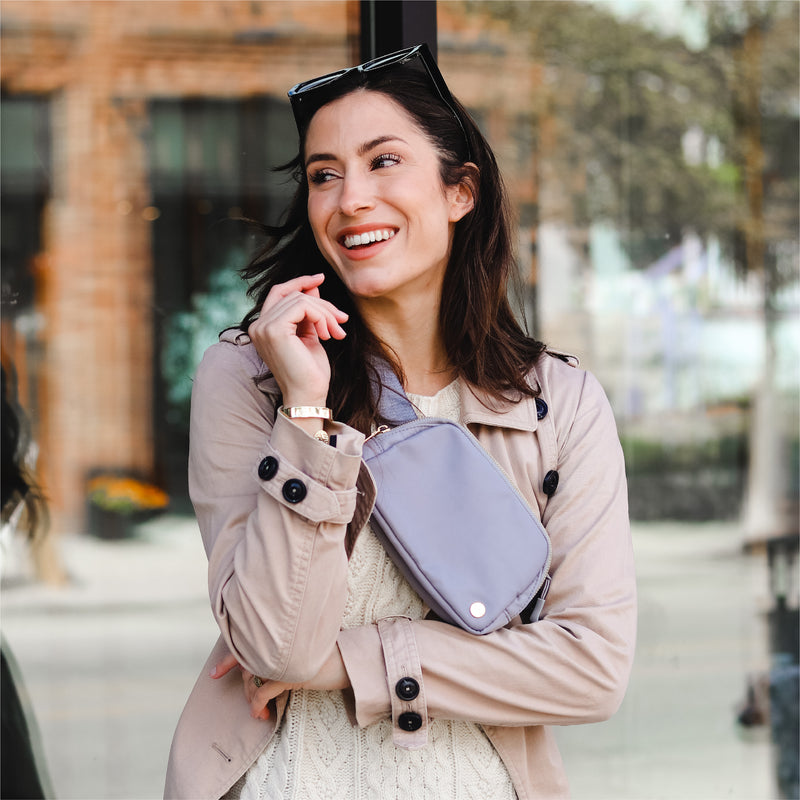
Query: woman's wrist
x,y
310,418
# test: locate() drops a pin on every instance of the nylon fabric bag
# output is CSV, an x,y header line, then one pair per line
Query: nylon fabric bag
x,y
453,523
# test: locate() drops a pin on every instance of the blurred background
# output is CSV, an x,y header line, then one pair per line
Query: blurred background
x,y
651,152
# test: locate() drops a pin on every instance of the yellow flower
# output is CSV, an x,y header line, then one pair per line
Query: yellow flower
x,y
125,495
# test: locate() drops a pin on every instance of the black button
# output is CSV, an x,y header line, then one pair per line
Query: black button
x,y
541,408
550,483
410,721
407,688
294,490
267,468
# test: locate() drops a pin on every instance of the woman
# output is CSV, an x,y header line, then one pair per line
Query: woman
x,y
397,245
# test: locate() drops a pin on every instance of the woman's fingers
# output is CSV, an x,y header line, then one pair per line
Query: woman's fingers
x,y
257,691
321,319
288,312
306,285
224,666
260,692
303,283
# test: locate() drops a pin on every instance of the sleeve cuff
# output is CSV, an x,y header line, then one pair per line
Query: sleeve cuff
x,y
336,467
383,665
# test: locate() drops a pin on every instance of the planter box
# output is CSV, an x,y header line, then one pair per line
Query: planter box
x,y
111,525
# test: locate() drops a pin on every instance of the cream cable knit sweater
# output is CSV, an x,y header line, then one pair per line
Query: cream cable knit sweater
x,y
318,754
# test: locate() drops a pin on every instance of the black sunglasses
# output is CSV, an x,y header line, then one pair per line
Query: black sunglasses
x,y
309,96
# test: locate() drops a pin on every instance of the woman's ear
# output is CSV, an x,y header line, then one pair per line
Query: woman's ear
x,y
461,196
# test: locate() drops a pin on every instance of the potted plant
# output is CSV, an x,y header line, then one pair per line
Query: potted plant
x,y
117,503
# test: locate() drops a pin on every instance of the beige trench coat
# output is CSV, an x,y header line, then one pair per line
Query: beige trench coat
x,y
273,505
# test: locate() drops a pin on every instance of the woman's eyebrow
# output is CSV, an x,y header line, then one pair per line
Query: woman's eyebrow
x,y
319,157
367,146
362,150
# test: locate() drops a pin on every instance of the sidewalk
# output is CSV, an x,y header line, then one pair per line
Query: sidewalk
x,y
109,660
165,563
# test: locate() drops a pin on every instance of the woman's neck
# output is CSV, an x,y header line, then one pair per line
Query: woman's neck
x,y
412,333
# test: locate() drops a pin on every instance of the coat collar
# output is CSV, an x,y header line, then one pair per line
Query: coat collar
x,y
480,408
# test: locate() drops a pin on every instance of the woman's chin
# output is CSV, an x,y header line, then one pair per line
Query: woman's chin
x,y
369,289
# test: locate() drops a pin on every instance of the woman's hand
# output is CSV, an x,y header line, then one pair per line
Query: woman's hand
x,y
288,335
332,676
258,696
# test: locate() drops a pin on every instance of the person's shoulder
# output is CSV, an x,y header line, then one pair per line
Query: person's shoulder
x,y
556,370
232,355
565,383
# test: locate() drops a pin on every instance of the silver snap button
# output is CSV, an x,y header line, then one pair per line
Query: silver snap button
x,y
477,610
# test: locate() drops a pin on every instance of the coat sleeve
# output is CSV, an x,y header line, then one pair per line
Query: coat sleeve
x,y
273,505
573,665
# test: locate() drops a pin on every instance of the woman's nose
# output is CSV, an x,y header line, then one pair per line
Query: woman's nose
x,y
356,194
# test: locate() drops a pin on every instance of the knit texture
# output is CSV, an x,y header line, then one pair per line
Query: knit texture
x,y
318,754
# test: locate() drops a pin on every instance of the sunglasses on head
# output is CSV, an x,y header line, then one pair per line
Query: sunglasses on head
x,y
309,96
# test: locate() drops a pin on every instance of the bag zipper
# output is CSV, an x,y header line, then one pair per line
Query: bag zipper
x,y
379,429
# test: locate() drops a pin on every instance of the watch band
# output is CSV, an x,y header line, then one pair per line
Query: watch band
x,y
306,412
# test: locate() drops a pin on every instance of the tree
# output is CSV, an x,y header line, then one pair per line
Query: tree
x,y
638,130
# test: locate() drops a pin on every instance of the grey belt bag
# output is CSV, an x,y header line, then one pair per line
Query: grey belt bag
x,y
451,520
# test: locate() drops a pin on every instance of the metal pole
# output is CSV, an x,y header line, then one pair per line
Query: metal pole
x,y
389,25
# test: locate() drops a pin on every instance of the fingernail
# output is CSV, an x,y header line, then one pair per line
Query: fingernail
x,y
213,673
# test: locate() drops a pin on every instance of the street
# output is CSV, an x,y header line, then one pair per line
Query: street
x,y
109,661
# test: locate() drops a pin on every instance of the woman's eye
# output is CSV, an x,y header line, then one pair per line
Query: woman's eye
x,y
385,160
321,176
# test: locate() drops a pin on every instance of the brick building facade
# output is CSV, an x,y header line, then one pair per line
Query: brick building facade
x,y
86,346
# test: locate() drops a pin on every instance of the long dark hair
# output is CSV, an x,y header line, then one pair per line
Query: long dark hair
x,y
483,339
17,484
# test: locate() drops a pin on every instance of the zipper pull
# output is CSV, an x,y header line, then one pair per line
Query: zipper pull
x,y
381,429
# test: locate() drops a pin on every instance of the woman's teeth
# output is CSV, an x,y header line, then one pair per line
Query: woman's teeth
x,y
360,239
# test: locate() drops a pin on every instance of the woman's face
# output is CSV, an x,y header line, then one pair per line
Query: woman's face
x,y
380,213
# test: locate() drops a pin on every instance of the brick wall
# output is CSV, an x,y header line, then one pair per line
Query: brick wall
x,y
100,62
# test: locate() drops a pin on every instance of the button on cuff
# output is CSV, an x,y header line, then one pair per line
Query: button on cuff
x,y
404,673
267,468
294,490
407,689
409,721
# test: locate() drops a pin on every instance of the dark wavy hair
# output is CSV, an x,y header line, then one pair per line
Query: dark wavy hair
x,y
17,484
483,340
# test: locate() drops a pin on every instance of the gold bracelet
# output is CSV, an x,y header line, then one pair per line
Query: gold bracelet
x,y
306,412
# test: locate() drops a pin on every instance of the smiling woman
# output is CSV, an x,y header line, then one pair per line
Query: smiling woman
x,y
331,678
